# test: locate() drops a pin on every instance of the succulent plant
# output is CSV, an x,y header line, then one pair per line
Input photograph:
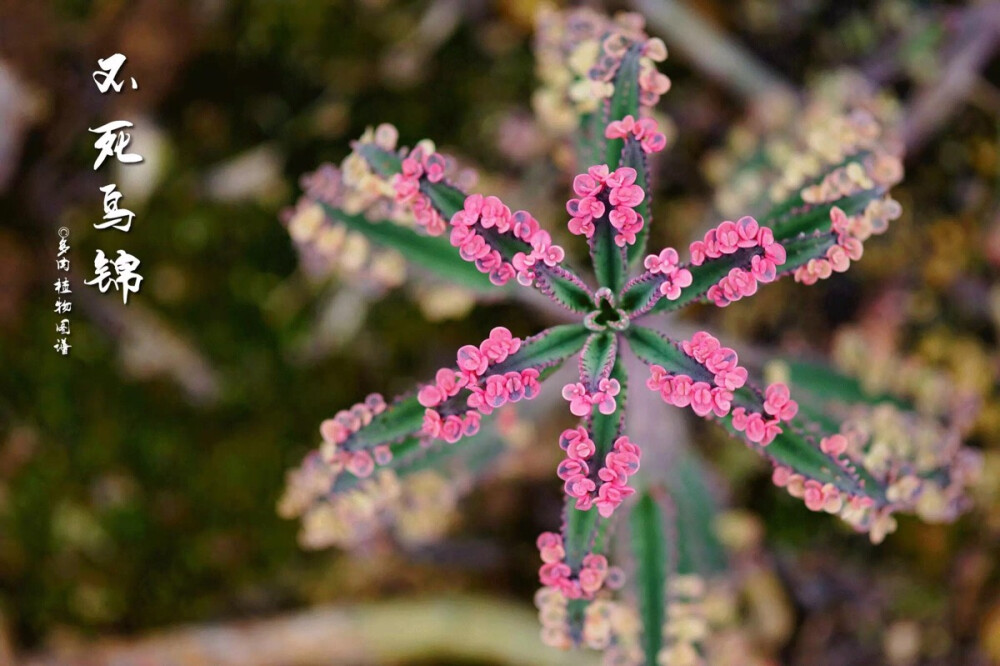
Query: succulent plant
x,y
839,449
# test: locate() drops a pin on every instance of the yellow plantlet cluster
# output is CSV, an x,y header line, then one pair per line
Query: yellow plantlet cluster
x,y
924,464
841,142
417,508
576,54
686,626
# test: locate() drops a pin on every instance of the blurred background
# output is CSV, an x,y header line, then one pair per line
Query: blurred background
x,y
139,475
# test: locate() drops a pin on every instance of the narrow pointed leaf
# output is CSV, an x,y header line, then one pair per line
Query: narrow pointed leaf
x,y
825,383
652,561
432,253
698,548
548,348
598,357
409,456
404,417
608,258
624,101
796,447
561,283
642,295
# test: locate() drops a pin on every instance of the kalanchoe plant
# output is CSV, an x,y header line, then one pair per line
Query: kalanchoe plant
x,y
829,207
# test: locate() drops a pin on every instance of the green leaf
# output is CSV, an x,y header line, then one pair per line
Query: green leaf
x,y
470,454
793,447
579,532
581,529
401,418
565,288
590,140
642,295
810,218
598,358
548,348
608,258
652,558
797,447
653,347
433,253
405,416
624,101
825,383
606,428
446,199
385,163
698,548
560,283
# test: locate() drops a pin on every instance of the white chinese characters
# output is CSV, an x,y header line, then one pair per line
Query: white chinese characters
x,y
125,278
62,288
113,143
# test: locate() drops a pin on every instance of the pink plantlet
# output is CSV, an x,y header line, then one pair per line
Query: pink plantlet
x,y
382,454
644,131
577,443
778,402
361,464
834,445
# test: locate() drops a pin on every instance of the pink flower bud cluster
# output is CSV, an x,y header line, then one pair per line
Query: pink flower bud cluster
x,y
820,496
406,184
556,574
619,464
675,278
601,193
645,131
839,256
581,400
485,213
338,430
703,397
756,426
486,393
729,238
652,84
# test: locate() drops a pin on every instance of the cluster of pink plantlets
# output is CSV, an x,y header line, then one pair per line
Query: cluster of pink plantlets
x,y
556,574
672,278
759,248
612,82
470,233
486,392
850,232
579,477
645,131
406,184
603,192
337,431
758,428
582,400
614,47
